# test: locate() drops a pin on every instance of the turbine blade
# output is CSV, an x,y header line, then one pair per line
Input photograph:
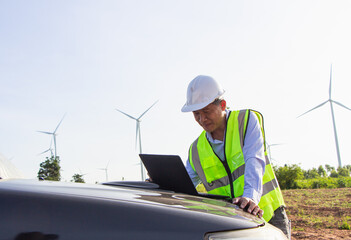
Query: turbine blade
x,y
341,105
275,144
60,123
330,83
44,152
147,110
314,108
108,163
46,132
126,114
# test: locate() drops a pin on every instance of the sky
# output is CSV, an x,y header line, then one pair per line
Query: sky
x,y
83,59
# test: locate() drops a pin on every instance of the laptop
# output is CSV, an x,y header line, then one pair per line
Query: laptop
x,y
168,171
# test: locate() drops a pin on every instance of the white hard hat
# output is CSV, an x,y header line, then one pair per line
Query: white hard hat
x,y
202,91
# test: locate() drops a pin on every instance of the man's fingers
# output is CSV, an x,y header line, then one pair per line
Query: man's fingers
x,y
235,200
248,205
244,203
252,207
260,213
255,210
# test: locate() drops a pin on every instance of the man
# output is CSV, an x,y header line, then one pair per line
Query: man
x,y
229,157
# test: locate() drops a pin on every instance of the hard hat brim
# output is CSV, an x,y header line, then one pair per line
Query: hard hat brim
x,y
195,107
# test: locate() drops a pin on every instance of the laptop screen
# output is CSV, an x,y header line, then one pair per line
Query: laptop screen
x,y
168,171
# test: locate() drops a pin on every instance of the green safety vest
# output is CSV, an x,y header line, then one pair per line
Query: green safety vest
x,y
227,178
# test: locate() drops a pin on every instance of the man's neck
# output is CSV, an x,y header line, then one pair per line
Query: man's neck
x,y
219,135
219,132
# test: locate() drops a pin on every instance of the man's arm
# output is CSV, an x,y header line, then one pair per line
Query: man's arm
x,y
192,174
253,151
255,163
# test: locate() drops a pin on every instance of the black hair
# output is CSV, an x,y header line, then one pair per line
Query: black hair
x,y
217,101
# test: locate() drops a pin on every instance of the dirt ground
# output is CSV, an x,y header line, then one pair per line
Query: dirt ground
x,y
319,213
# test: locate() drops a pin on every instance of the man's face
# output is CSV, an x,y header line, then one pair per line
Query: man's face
x,y
210,117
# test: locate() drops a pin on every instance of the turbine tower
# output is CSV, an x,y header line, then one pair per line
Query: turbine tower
x,y
138,134
331,101
54,134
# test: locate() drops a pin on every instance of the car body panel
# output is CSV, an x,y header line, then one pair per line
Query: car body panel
x,y
88,211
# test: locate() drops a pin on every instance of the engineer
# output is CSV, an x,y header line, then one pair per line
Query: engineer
x,y
229,157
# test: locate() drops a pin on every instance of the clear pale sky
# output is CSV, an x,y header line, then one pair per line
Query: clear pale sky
x,y
87,58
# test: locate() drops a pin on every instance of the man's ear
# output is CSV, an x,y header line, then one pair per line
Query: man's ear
x,y
223,105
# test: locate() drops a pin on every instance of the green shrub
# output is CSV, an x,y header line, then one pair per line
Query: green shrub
x,y
311,174
334,174
341,183
344,172
288,175
345,225
328,182
293,177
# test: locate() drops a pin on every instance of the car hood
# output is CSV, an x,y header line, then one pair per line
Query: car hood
x,y
155,209
130,194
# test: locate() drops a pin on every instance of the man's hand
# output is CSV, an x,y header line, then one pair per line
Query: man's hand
x,y
248,205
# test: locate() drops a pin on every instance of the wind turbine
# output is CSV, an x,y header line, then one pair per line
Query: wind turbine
x,y
81,173
138,134
105,169
331,101
269,149
54,134
50,149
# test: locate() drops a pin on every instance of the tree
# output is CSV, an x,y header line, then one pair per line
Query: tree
x,y
288,175
311,174
334,174
78,178
348,167
329,168
321,171
50,169
343,171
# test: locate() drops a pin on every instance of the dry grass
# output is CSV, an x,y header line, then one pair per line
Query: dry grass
x,y
319,213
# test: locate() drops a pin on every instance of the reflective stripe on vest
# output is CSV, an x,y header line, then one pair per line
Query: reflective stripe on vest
x,y
236,128
240,171
216,183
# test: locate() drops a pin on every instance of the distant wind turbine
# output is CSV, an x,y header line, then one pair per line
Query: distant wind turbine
x,y
105,169
331,101
269,148
138,134
50,149
54,134
81,173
